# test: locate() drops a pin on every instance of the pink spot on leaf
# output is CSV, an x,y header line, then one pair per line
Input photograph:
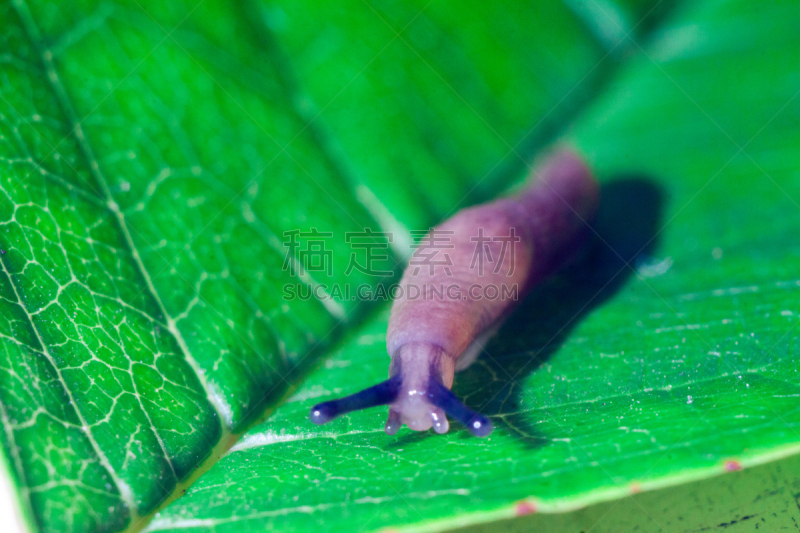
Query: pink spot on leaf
x,y
732,466
524,508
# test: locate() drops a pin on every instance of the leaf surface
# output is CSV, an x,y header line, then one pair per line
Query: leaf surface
x,y
669,354
155,155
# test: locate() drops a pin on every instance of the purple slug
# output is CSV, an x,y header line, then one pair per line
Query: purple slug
x,y
460,285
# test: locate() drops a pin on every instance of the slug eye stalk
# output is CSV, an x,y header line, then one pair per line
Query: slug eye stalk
x,y
383,393
436,395
444,399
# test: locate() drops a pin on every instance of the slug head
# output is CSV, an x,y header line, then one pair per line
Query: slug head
x,y
417,394
421,366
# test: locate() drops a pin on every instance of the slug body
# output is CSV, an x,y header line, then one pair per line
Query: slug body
x,y
454,296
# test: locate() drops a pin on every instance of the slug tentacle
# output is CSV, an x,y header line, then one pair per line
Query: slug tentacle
x,y
393,423
416,394
383,393
442,397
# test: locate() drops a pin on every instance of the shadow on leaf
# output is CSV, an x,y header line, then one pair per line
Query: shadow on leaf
x,y
626,229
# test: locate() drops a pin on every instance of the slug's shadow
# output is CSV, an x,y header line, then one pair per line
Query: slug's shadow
x,y
626,225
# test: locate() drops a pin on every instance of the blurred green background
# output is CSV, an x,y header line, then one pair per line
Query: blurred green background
x,y
155,156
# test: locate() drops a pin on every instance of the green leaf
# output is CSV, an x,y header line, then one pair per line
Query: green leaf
x,y
154,154
608,380
154,157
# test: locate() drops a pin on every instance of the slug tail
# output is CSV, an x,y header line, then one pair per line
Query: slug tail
x,y
443,398
383,393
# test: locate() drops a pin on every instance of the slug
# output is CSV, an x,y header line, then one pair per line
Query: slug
x,y
512,242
